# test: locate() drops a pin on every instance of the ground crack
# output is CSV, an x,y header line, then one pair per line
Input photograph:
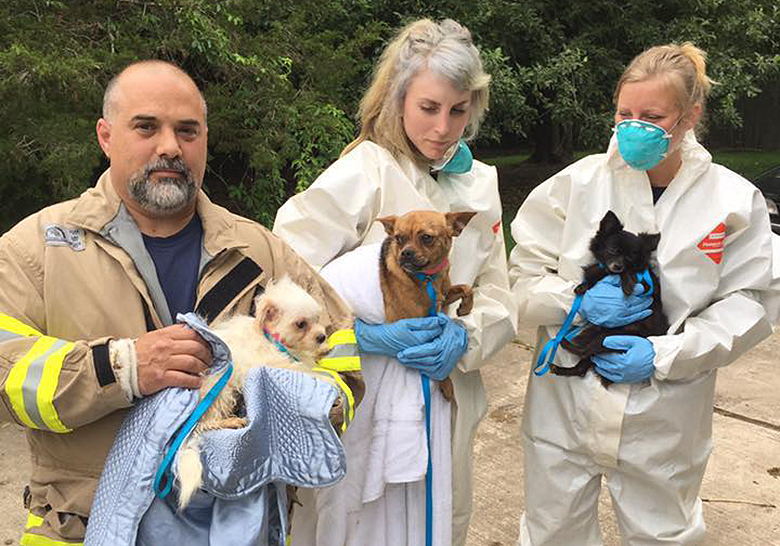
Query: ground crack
x,y
751,420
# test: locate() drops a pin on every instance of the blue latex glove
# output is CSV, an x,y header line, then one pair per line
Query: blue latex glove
x,y
437,358
634,363
391,338
605,304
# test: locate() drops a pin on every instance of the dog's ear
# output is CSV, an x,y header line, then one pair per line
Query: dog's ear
x,y
267,311
610,223
457,221
389,223
650,241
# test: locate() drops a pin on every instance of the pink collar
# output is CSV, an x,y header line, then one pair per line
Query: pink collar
x,y
437,269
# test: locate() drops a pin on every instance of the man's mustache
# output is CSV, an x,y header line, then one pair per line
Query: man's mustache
x,y
164,164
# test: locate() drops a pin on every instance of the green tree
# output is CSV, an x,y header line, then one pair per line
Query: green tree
x,y
283,79
279,80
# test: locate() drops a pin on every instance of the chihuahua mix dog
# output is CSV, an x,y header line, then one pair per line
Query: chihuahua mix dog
x,y
418,246
617,252
285,333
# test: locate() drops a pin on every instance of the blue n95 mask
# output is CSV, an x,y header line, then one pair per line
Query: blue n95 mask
x,y
457,159
642,144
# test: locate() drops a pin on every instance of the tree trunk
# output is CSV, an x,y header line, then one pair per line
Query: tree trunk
x,y
553,141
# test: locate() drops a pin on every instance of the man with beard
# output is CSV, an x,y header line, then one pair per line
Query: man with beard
x,y
92,286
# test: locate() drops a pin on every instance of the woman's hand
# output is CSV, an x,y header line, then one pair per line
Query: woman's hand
x,y
391,338
437,358
605,304
633,362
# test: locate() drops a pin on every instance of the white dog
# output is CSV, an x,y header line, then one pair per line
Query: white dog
x,y
286,333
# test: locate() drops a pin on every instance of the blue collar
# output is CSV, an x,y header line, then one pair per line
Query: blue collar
x,y
279,345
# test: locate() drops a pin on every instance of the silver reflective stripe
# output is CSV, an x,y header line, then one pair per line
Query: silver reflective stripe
x,y
346,349
33,380
5,335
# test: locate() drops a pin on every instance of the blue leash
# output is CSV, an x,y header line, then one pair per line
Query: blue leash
x,y
552,345
543,362
426,389
165,467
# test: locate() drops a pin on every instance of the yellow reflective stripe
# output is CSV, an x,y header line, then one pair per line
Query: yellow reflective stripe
x,y
33,521
349,411
339,337
10,324
14,384
30,539
48,387
341,363
32,383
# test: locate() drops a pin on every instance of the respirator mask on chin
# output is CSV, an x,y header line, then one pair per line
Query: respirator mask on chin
x,y
456,160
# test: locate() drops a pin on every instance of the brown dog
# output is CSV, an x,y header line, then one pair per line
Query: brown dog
x,y
418,245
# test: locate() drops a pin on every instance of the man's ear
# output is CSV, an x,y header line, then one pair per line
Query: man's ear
x,y
389,223
458,220
103,129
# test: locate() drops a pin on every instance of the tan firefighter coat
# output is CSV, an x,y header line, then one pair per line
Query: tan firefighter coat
x,y
73,277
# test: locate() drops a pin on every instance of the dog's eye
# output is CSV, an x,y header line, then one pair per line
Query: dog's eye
x,y
426,239
301,324
400,239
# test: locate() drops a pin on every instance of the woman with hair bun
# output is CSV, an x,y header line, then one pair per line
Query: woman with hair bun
x,y
649,433
427,97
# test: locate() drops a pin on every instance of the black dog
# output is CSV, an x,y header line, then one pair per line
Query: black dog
x,y
617,252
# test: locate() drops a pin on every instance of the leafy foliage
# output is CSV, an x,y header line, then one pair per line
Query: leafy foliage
x,y
283,79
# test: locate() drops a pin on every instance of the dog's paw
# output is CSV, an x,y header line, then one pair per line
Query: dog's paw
x,y
447,391
232,422
465,306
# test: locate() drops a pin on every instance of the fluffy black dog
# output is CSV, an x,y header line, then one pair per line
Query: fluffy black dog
x,y
617,252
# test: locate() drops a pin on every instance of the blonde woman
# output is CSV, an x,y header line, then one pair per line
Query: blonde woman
x,y
649,433
428,94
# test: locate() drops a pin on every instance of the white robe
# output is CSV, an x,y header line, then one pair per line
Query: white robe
x,y
381,501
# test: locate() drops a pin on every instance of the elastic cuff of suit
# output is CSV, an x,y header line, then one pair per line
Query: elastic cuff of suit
x,y
347,396
124,362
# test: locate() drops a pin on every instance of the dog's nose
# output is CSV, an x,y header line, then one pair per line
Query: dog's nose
x,y
321,338
407,253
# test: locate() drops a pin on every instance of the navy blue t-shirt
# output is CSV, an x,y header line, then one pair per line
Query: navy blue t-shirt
x,y
177,259
657,192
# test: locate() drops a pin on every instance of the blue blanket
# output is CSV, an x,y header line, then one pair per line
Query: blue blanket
x,y
289,440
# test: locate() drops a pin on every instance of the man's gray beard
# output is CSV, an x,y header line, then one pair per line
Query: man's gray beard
x,y
165,196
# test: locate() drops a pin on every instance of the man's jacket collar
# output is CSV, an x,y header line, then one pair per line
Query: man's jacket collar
x,y
100,204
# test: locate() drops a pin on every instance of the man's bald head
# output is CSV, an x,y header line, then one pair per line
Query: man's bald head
x,y
111,97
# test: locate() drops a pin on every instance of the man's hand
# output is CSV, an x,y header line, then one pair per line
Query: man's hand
x,y
174,356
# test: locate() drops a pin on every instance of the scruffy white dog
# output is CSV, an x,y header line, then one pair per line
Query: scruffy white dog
x,y
286,333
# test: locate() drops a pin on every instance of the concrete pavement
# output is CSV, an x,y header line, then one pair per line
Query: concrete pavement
x,y
741,487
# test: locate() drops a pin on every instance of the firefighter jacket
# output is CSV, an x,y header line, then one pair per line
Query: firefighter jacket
x,y
76,275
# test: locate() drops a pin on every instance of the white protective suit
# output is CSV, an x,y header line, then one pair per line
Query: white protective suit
x,y
336,214
651,440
